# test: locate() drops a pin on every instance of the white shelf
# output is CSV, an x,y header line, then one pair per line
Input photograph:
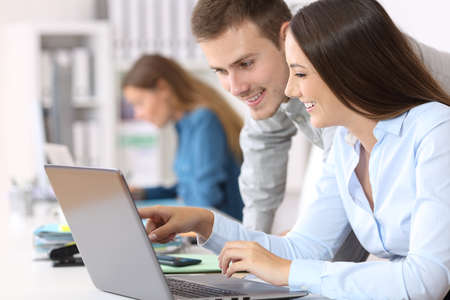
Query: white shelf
x,y
25,135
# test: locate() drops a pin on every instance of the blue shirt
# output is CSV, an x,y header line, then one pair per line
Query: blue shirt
x,y
206,170
409,172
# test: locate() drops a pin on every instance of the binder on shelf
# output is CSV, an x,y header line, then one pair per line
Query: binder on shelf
x,y
93,145
153,26
134,21
47,78
85,142
150,14
81,75
60,114
158,20
116,16
78,146
184,31
168,29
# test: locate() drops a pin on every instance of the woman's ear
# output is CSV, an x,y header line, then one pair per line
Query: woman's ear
x,y
162,85
163,89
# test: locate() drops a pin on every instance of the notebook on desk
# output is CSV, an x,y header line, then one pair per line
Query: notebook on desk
x,y
117,251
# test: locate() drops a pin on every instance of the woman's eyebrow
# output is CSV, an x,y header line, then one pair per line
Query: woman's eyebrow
x,y
297,66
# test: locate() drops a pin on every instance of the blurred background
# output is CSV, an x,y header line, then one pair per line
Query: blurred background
x,y
61,64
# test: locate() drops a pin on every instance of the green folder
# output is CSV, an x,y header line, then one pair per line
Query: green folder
x,y
209,264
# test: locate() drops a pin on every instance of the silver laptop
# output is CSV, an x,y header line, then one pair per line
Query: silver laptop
x,y
117,252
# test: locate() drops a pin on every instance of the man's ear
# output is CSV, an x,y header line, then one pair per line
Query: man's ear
x,y
283,31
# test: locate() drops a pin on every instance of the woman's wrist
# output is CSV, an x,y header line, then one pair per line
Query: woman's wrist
x,y
205,224
286,270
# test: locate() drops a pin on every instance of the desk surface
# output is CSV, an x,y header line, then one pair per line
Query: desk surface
x,y
22,277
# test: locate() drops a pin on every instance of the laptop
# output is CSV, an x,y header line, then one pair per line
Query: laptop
x,y
117,251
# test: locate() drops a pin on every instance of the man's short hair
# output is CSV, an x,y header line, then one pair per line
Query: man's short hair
x,y
211,18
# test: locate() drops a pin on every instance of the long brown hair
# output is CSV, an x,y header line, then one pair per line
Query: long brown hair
x,y
364,58
190,92
211,18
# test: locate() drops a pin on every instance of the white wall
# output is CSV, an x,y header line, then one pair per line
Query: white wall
x,y
28,10
428,21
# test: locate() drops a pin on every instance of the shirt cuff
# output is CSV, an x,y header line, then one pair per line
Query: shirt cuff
x,y
215,242
305,274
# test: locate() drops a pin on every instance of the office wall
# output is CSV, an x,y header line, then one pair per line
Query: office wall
x,y
26,10
428,21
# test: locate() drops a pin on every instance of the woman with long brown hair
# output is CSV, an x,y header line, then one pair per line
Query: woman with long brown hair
x,y
387,176
208,156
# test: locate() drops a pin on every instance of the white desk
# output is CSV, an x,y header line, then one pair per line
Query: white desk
x,y
24,278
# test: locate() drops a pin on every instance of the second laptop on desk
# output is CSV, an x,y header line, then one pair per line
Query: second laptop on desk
x,y
117,252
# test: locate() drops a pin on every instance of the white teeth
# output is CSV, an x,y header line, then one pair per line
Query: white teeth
x,y
254,98
309,104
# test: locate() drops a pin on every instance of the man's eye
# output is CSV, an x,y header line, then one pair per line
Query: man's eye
x,y
300,75
246,64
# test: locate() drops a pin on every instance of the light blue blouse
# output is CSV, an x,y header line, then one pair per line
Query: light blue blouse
x,y
409,172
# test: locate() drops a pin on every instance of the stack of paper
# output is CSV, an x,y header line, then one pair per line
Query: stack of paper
x,y
50,236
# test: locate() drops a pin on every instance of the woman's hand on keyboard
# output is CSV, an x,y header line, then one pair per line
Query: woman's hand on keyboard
x,y
253,258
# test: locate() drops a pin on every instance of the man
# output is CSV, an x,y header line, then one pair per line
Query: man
x,y
241,41
243,44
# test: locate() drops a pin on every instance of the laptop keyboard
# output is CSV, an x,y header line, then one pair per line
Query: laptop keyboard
x,y
194,290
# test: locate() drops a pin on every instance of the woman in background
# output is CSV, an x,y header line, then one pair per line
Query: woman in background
x,y
208,157
387,176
